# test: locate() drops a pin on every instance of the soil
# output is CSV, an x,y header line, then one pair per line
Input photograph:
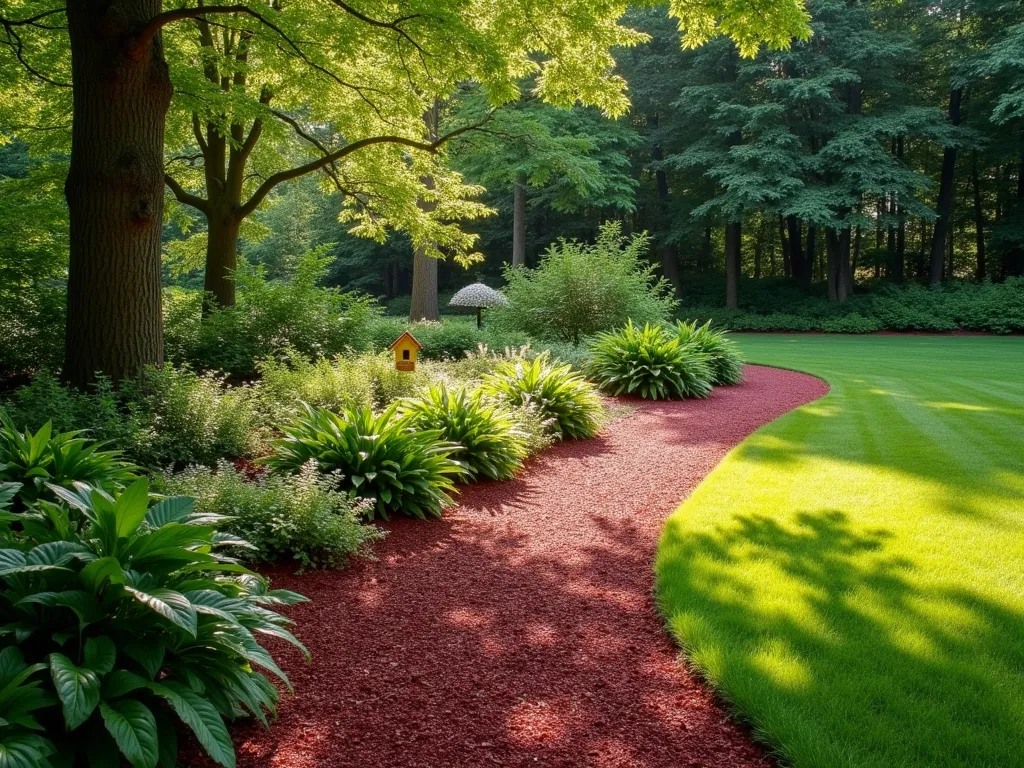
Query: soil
x,y
521,629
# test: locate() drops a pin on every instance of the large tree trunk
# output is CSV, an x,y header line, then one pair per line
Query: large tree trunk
x,y
519,222
812,252
115,191
424,268
733,242
945,202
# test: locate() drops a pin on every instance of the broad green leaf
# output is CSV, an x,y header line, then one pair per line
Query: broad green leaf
x,y
169,604
133,727
175,509
101,571
130,507
100,654
149,654
201,716
78,689
84,604
24,750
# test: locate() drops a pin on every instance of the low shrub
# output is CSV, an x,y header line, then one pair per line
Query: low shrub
x,y
184,417
649,362
268,316
562,396
37,461
581,289
724,357
368,380
380,457
852,323
298,517
170,415
116,632
490,445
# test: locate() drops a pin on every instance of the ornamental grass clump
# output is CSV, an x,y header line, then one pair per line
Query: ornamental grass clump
x,y
123,621
724,357
490,444
381,457
649,362
560,395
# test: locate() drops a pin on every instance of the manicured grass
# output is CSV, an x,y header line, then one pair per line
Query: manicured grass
x,y
851,578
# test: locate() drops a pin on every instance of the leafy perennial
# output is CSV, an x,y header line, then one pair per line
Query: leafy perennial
x,y
138,621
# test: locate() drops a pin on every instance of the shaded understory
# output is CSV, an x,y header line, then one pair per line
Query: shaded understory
x,y
850,576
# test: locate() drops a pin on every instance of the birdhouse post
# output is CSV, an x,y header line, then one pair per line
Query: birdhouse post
x,y
406,348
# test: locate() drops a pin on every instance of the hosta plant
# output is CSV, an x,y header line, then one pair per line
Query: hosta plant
x,y
490,443
649,362
122,630
560,394
724,357
378,456
38,460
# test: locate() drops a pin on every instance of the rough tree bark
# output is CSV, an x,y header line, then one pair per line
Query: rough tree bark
x,y
424,268
666,253
519,222
115,190
945,201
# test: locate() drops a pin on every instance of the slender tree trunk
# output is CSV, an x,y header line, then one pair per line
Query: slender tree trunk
x,y
787,263
837,247
733,244
1013,261
115,191
424,268
758,249
706,250
945,202
668,255
519,222
899,265
796,255
979,220
812,252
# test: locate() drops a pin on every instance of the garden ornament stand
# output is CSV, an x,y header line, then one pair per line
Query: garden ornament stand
x,y
480,297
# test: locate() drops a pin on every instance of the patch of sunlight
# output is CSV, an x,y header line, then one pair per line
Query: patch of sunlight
x,y
820,410
780,664
949,406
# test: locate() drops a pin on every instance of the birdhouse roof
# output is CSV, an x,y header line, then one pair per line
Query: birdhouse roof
x,y
398,342
478,295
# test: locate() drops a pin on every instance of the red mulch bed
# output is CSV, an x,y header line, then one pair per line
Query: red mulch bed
x,y
521,629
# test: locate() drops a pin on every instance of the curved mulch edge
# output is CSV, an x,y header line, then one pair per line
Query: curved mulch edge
x,y
521,630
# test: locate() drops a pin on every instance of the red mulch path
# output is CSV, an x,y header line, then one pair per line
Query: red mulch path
x,y
520,630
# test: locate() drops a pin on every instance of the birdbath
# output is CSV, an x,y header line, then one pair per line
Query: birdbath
x,y
480,297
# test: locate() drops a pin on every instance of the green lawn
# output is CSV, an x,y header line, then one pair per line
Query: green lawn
x,y
851,577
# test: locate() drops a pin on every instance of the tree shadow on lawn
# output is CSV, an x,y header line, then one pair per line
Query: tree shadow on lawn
x,y
837,651
966,452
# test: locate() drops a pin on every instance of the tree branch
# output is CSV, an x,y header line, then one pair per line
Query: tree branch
x,y
140,42
315,165
394,26
187,198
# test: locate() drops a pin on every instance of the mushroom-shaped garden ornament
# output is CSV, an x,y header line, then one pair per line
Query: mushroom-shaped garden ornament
x,y
478,296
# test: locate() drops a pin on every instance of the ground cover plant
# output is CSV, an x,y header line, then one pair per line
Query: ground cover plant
x,y
491,445
724,358
301,518
560,395
121,620
649,362
378,455
848,577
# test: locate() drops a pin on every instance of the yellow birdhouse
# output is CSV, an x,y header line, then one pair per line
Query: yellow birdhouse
x,y
405,348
